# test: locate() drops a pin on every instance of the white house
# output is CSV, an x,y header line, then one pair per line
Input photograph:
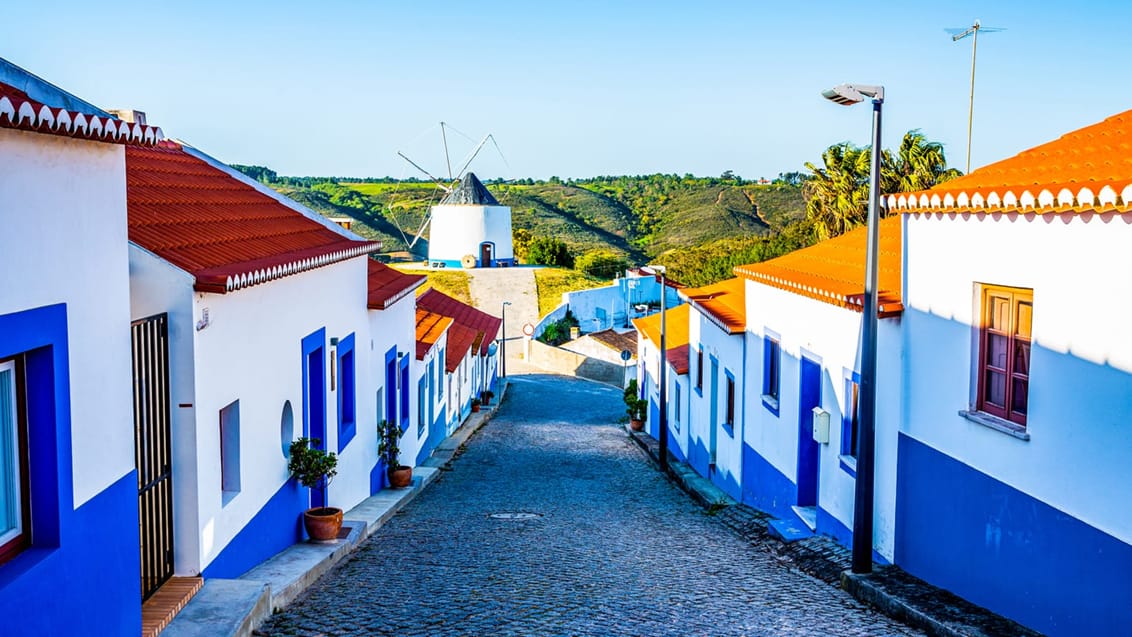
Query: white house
x,y
1015,447
676,375
717,352
69,486
418,442
263,313
470,229
803,332
470,373
392,325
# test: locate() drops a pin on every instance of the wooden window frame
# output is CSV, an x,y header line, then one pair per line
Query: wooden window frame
x,y
1015,297
22,541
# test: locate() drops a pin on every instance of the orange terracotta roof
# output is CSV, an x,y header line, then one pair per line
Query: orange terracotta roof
x,y
430,329
1086,170
221,230
460,340
388,285
616,341
17,110
483,323
676,336
724,303
833,271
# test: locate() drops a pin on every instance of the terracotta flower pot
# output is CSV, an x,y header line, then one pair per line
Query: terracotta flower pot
x,y
475,408
323,523
400,477
636,425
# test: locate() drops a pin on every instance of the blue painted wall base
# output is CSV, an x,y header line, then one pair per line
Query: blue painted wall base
x,y
277,525
962,530
90,583
765,487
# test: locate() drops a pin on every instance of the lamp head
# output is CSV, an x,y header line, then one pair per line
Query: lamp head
x,y
850,94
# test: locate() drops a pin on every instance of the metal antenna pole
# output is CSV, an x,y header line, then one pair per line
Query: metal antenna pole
x,y
971,107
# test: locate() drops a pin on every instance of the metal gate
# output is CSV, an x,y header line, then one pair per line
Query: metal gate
x,y
153,451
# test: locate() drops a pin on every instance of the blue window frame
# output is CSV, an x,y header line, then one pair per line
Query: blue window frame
x,y
404,392
391,384
729,402
700,370
772,370
347,392
37,341
850,422
422,388
676,407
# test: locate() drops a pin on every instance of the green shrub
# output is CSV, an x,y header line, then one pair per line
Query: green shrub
x,y
601,263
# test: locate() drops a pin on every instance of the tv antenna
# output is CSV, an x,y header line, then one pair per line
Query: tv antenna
x,y
957,35
445,187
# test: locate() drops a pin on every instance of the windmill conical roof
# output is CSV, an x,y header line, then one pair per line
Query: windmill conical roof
x,y
471,191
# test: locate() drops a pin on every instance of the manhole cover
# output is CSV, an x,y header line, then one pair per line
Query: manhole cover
x,y
511,515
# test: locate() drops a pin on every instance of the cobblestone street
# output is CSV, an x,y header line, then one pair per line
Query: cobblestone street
x,y
614,549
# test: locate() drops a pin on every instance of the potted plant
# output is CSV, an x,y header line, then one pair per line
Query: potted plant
x,y
487,396
315,468
389,435
475,405
635,407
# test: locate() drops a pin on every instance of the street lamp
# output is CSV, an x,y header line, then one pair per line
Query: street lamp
x,y
503,342
848,95
663,424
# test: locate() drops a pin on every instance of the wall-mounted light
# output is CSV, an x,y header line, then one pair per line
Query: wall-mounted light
x,y
333,359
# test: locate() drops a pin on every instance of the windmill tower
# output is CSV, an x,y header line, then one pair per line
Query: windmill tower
x,y
470,229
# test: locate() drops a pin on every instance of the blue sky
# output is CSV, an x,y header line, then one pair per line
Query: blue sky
x,y
577,88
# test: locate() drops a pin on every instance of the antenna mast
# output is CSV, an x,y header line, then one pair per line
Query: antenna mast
x,y
959,34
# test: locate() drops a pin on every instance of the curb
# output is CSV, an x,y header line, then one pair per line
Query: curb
x,y
888,589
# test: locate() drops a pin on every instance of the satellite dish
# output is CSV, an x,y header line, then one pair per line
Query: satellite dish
x,y
469,261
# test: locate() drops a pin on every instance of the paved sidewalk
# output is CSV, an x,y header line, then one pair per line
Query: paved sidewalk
x,y
935,611
236,607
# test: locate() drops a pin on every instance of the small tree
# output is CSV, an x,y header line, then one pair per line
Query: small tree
x,y
312,466
636,407
388,446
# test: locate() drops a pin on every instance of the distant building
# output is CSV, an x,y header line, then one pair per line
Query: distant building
x,y
470,229
648,371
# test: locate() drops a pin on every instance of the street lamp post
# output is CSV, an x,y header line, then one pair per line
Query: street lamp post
x,y
847,95
503,342
663,381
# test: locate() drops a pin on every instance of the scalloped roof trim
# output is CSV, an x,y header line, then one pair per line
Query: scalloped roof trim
x,y
20,112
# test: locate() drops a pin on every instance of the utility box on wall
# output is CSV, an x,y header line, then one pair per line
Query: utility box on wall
x,y
821,425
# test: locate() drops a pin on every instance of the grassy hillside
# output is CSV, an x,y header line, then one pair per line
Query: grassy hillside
x,y
551,283
641,218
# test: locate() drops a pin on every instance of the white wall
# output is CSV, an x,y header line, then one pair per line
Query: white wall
x,y
728,351
458,230
395,326
251,351
1079,401
831,335
63,237
156,287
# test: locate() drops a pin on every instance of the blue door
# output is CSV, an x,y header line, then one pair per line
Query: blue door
x,y
809,392
391,385
315,392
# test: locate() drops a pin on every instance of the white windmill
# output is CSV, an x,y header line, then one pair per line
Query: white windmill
x,y
469,227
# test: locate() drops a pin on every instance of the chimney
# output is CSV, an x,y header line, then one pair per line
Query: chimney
x,y
128,115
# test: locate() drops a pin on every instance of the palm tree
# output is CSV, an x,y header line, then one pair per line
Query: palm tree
x,y
918,165
837,196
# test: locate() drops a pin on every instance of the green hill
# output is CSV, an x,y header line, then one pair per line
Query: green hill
x,y
639,217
